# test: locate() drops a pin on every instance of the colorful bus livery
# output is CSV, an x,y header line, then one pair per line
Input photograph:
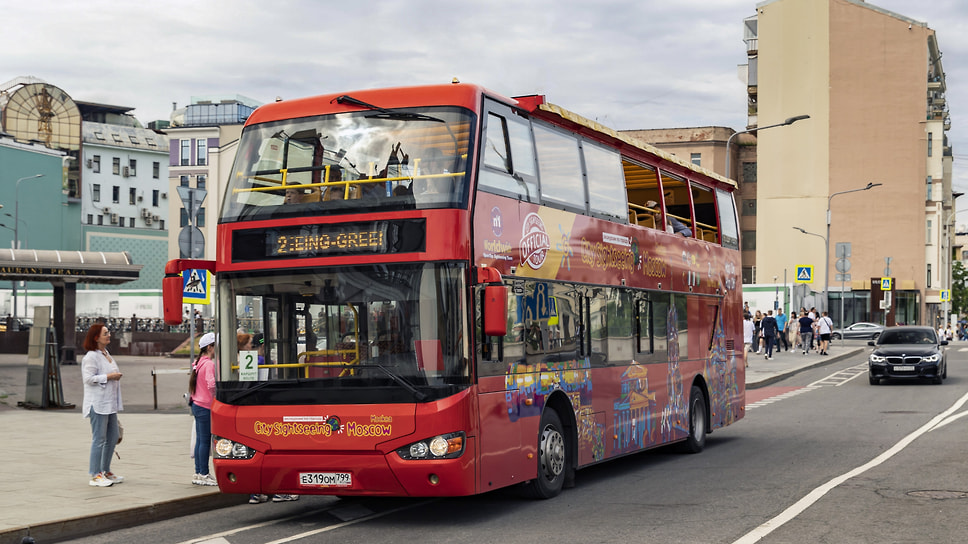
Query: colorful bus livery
x,y
460,292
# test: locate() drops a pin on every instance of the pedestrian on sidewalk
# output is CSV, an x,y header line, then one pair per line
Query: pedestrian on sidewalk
x,y
202,388
769,333
806,331
781,327
102,402
748,331
825,326
758,331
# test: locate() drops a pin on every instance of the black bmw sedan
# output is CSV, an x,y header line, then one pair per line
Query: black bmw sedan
x,y
908,353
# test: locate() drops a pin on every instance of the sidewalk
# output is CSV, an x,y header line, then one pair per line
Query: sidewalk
x,y
46,451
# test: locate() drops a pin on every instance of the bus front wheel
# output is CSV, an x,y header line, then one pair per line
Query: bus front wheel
x,y
552,458
697,421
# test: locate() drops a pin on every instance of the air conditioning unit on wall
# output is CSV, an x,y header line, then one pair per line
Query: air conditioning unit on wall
x,y
125,172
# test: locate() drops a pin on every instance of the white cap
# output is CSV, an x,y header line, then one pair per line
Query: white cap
x,y
207,339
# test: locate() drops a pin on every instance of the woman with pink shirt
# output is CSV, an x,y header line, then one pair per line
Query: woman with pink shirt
x,y
202,388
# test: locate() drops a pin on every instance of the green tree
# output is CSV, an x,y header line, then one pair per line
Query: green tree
x,y
959,288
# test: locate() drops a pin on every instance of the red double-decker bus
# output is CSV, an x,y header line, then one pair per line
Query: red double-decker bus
x,y
459,292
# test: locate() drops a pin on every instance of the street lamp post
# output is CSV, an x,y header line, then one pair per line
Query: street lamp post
x,y
789,121
822,237
16,224
826,255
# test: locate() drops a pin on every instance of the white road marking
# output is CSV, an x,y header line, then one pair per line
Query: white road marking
x,y
807,501
836,379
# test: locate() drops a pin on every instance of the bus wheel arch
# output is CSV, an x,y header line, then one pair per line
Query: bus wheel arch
x,y
557,450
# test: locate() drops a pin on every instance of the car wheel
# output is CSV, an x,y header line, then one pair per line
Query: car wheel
x,y
552,458
875,335
873,380
834,336
697,422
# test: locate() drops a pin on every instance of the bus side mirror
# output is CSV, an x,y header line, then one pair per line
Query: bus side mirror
x,y
495,310
171,296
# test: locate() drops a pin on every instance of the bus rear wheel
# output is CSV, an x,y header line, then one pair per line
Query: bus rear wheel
x,y
697,422
552,458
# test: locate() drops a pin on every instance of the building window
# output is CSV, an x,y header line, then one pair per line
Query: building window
x,y
186,152
154,198
201,146
131,222
90,219
929,276
120,221
132,167
696,158
749,207
200,181
183,181
134,139
116,195
96,192
132,195
927,233
183,218
749,240
96,164
116,166
749,172
930,144
155,169
100,220
200,218
930,187
161,224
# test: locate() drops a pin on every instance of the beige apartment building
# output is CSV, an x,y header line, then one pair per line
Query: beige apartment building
x,y
873,85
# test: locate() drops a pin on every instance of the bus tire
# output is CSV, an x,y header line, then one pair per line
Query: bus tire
x,y
696,440
552,458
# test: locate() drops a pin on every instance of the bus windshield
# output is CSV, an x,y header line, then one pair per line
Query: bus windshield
x,y
372,160
351,335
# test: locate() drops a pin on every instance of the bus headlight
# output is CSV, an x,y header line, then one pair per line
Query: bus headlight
x,y
445,446
227,449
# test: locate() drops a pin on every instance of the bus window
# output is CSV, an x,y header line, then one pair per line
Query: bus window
x,y
603,167
642,189
559,168
727,219
705,207
509,164
598,325
678,212
620,331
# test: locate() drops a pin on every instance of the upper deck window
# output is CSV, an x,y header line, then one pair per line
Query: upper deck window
x,y
606,190
509,162
559,167
350,162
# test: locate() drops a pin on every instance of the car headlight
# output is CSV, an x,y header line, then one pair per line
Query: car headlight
x,y
933,358
445,446
877,359
227,449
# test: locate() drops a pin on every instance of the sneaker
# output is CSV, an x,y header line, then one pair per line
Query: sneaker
x,y
256,499
115,479
769,358
204,479
100,480
284,498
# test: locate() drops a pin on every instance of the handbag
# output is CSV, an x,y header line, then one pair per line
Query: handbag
x,y
120,432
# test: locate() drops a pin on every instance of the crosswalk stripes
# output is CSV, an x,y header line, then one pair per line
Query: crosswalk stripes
x,y
835,380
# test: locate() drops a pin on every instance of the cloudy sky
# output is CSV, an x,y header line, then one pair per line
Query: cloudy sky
x,y
626,63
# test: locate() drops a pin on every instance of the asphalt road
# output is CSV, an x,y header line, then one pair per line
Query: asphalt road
x,y
820,457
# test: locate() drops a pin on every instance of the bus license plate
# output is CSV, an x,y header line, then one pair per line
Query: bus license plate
x,y
325,479
904,368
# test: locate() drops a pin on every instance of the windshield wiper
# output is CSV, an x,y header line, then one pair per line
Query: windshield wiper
x,y
385,113
417,394
249,391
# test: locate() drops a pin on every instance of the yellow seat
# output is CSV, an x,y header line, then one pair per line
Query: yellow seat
x,y
646,220
709,236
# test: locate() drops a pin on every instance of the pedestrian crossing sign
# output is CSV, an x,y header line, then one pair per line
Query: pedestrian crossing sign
x,y
945,295
196,286
804,273
886,284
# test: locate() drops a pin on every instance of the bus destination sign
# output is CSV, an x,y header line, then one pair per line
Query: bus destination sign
x,y
329,240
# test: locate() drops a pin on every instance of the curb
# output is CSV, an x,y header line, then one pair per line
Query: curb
x,y
69,529
784,375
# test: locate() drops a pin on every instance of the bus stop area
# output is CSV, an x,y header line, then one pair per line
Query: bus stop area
x,y
46,451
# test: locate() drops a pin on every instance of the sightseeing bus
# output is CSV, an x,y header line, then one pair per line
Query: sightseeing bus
x,y
454,291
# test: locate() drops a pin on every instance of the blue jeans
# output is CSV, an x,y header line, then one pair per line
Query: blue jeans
x,y
104,437
203,438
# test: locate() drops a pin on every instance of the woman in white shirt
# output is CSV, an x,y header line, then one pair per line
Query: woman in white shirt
x,y
102,402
